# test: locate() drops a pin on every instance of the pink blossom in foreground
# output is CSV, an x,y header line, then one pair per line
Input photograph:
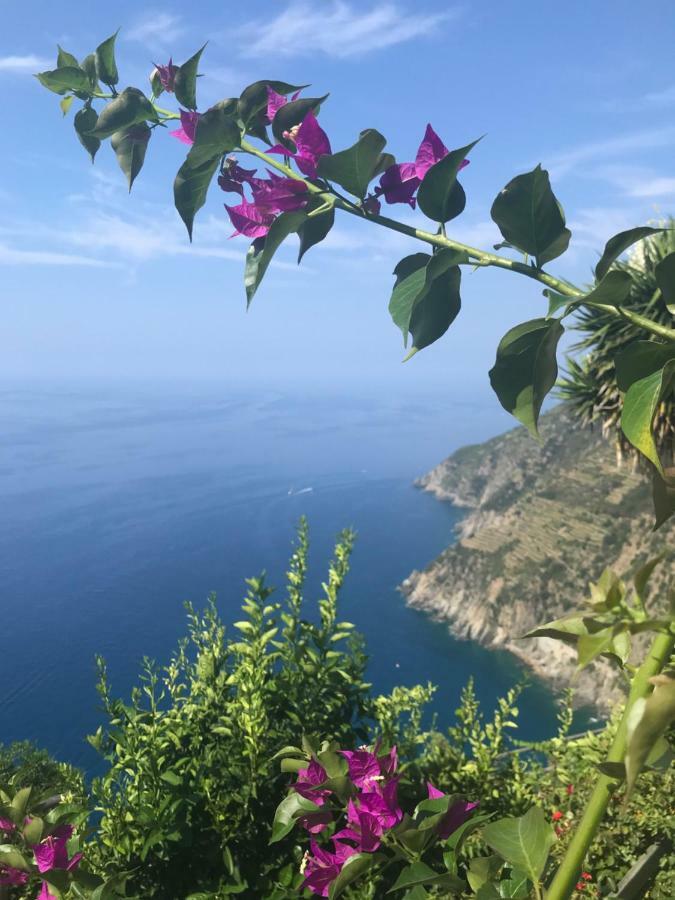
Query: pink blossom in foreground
x,y
6,824
12,877
167,75
52,852
322,867
275,101
457,814
311,143
249,220
188,123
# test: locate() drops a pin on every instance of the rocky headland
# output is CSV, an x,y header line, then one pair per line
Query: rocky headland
x,y
542,521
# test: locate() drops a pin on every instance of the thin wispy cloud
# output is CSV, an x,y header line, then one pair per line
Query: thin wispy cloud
x,y
17,256
657,99
654,188
571,159
24,65
156,28
338,29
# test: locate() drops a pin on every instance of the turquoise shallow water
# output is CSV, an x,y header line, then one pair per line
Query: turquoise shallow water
x,y
119,502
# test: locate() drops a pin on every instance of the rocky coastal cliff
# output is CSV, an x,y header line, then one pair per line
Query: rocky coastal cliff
x,y
542,521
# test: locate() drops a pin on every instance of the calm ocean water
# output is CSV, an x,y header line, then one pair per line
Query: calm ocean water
x,y
119,502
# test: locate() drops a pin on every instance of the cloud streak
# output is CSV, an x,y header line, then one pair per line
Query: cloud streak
x,y
338,29
156,28
571,159
24,65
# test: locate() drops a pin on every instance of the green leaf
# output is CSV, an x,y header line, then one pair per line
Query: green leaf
x,y
88,65
643,574
665,278
190,188
483,869
516,887
647,721
530,217
639,408
356,866
639,359
568,629
66,103
440,196
292,765
289,750
556,301
526,368
615,247
663,496
292,114
130,108
354,168
613,770
523,842
314,229
436,309
10,856
591,645
488,891
253,98
66,59
67,78
410,281
32,832
291,808
217,133
19,805
459,835
106,67
172,778
185,83
262,250
85,122
612,290
130,146
416,873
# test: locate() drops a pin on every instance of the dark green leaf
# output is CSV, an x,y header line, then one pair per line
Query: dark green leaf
x,y
410,281
523,842
416,873
639,407
383,163
85,122
66,59
568,629
291,808
185,83
665,278
88,64
440,196
254,98
131,107
190,189
292,114
612,290
526,368
314,229
436,309
488,891
354,168
65,79
106,67
530,217
356,866
130,146
217,133
262,250
615,247
639,359
591,645
613,770
459,835
663,495
483,869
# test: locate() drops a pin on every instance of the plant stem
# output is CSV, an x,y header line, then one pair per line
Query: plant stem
x,y
568,872
477,257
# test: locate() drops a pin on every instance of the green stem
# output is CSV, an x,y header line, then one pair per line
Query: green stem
x,y
568,872
477,257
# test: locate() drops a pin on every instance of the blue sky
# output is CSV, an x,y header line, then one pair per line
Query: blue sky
x,y
97,283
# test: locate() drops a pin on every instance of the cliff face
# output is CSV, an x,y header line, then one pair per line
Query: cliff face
x,y
543,521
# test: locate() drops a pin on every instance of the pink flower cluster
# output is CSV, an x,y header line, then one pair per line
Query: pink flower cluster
x,y
51,853
371,812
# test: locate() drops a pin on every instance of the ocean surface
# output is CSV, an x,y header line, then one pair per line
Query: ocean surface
x,y
121,501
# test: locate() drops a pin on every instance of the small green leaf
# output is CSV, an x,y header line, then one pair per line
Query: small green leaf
x,y
354,168
84,122
530,217
106,67
639,408
440,196
130,108
10,856
130,146
66,103
292,114
665,278
568,629
517,886
217,133
291,808
643,574
356,866
253,98
314,229
591,645
185,83
612,290
483,869
436,310
262,250
66,59
19,805
410,281
61,80
32,831
615,247
488,891
416,873
639,359
190,188
614,770
663,496
555,302
292,765
523,842
88,65
526,368
647,721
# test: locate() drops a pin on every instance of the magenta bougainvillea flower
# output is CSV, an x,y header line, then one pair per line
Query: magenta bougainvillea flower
x,y
188,127
45,893
322,867
372,205
278,194
456,815
309,781
167,75
316,822
12,877
270,196
52,852
363,765
276,101
249,220
311,142
399,182
6,824
232,177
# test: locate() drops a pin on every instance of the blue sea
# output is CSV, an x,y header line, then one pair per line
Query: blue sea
x,y
121,501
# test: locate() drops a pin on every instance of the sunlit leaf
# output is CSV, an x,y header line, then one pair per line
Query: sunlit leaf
x,y
639,408
665,278
523,842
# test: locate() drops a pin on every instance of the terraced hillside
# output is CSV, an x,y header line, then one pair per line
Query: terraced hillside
x,y
544,520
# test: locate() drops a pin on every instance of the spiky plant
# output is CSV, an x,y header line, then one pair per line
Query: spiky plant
x,y
589,384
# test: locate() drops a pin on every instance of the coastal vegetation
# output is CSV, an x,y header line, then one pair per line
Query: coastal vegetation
x,y
262,765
